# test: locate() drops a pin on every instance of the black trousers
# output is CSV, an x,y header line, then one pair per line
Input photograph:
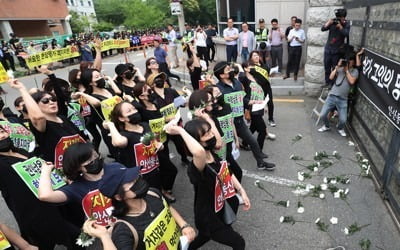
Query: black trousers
x,y
258,124
226,236
168,170
212,49
293,60
231,53
233,165
244,133
11,64
270,103
202,52
164,68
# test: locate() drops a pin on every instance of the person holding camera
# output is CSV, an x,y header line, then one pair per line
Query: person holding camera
x,y
296,38
335,47
344,76
276,39
200,38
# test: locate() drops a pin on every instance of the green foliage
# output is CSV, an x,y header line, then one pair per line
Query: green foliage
x,y
103,26
110,11
79,23
149,16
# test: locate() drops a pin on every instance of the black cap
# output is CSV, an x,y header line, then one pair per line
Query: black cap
x,y
116,176
121,68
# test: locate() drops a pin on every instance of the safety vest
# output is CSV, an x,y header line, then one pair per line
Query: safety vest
x,y
187,36
261,36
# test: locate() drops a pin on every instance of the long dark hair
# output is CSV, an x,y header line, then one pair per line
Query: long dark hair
x,y
120,207
148,71
86,79
74,156
197,128
116,113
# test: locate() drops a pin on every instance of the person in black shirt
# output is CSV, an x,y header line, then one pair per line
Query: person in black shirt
x,y
339,29
194,67
211,33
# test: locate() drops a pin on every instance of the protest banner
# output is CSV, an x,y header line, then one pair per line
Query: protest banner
x,y
157,127
227,184
86,110
146,156
4,243
62,145
168,111
74,115
108,105
30,171
3,74
203,84
235,100
97,206
114,44
20,135
49,56
163,232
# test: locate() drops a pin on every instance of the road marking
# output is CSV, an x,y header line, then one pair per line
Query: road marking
x,y
278,180
288,100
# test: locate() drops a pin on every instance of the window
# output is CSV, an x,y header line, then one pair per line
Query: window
x,y
67,2
72,3
81,3
240,11
89,3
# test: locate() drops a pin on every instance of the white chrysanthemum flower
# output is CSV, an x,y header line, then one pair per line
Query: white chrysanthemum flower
x,y
324,186
367,171
322,196
334,220
351,143
300,176
336,195
325,180
79,242
348,181
317,220
300,135
300,210
291,157
88,242
364,166
346,191
318,164
365,161
333,181
334,152
346,231
309,187
256,182
316,153
281,219
287,203
315,169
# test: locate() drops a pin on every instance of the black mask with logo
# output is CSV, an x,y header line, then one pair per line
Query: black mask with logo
x,y
101,83
135,118
210,143
140,188
95,166
6,144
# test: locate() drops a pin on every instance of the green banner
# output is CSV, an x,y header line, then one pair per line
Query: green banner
x,y
20,135
74,115
235,100
30,171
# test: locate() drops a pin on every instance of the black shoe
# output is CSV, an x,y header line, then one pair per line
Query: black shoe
x,y
266,166
264,155
245,147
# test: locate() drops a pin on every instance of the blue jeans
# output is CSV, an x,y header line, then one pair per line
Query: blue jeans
x,y
331,102
244,55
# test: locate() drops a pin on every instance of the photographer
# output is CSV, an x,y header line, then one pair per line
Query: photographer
x,y
344,75
335,47
200,38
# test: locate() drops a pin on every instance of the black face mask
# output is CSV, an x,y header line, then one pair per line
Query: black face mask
x,y
231,75
129,75
1,103
101,83
210,143
214,106
140,188
95,166
6,144
150,96
221,100
135,118
159,83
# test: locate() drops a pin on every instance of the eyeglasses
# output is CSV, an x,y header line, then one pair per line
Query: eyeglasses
x,y
153,62
46,100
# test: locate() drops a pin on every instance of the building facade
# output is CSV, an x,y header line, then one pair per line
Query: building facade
x,y
31,18
83,8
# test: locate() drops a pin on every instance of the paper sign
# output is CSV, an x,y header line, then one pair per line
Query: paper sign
x,y
260,106
235,152
146,157
74,115
228,188
86,111
168,111
163,232
179,101
203,84
157,127
20,135
96,205
235,100
4,243
227,125
62,145
3,74
30,171
108,105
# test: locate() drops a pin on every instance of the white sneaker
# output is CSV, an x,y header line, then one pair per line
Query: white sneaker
x,y
342,133
323,129
271,136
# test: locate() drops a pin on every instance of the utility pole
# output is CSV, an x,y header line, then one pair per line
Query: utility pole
x,y
177,10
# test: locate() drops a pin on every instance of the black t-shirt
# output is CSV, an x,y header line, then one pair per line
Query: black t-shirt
x,y
210,33
97,114
195,76
148,115
169,95
127,154
206,219
48,140
122,235
37,220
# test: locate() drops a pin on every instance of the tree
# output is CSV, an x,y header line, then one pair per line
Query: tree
x,y
79,23
110,11
200,11
140,15
103,26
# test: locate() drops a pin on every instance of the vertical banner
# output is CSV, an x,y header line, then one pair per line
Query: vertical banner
x,y
380,84
168,111
108,105
157,127
30,171
146,157
235,100
227,186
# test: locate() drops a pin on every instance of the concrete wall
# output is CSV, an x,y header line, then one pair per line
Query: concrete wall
x,y
31,28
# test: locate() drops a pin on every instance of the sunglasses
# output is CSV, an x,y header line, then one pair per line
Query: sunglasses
x,y
46,100
153,62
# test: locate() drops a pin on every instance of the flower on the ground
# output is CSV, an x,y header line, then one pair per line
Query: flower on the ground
x,y
350,143
353,228
321,225
322,196
346,231
325,180
333,181
295,157
324,186
346,191
365,244
283,203
287,219
320,155
309,187
300,176
336,155
258,184
300,208
315,169
334,220
336,195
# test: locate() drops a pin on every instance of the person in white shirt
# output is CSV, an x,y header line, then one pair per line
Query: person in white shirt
x,y
296,38
172,46
276,39
246,42
231,35
200,38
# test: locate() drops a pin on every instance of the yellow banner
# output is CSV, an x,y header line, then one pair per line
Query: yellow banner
x,y
157,127
168,111
49,56
114,44
163,232
108,105
3,74
4,244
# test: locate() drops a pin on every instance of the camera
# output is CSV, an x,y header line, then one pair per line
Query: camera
x,y
338,14
344,63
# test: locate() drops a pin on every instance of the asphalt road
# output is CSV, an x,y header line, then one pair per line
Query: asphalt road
x,y
260,226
